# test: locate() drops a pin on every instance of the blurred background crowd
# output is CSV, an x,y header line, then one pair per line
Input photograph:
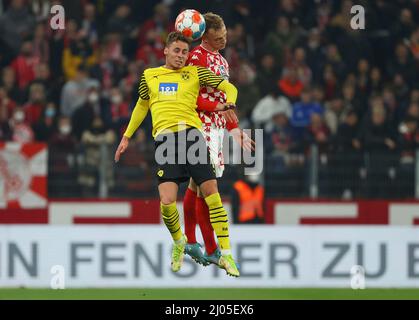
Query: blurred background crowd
x,y
339,107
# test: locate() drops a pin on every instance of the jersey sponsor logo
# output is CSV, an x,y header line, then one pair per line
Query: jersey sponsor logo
x,y
168,90
223,72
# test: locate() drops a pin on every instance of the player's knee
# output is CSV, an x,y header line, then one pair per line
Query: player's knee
x,y
208,187
167,199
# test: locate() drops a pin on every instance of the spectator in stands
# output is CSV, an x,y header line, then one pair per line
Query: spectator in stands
x,y
379,141
6,104
335,113
273,103
83,117
303,70
302,111
401,88
393,107
346,158
408,140
280,40
62,165
119,109
375,81
8,82
290,85
92,138
404,26
330,82
43,77
74,92
21,131
89,24
267,74
317,133
279,141
334,59
16,24
150,54
5,110
401,63
314,52
36,103
46,125
24,65
129,83
40,44
249,92
160,22
363,77
77,51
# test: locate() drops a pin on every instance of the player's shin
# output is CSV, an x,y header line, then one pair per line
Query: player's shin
x,y
202,213
219,221
171,220
190,215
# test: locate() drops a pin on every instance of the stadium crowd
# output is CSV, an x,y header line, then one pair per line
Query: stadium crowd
x,y
303,74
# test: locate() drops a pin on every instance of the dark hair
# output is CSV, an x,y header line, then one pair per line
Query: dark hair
x,y
176,36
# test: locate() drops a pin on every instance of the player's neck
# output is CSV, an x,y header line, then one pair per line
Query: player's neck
x,y
170,67
208,48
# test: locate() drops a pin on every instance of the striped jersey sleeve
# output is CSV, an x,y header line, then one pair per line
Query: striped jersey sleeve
x,y
143,89
208,78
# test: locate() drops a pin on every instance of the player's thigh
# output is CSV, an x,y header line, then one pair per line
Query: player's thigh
x,y
168,168
199,165
214,139
192,185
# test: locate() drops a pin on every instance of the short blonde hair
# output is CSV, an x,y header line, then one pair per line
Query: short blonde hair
x,y
213,21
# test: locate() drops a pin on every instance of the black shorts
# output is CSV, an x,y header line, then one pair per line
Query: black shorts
x,y
183,155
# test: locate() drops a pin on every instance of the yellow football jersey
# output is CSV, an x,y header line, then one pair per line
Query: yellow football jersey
x,y
171,97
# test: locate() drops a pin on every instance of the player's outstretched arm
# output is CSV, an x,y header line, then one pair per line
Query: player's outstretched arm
x,y
123,145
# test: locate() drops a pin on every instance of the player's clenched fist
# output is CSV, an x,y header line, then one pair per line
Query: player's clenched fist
x,y
123,145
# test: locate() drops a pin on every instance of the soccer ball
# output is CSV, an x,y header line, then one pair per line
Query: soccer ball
x,y
191,24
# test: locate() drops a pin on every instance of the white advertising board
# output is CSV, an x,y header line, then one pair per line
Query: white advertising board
x,y
269,256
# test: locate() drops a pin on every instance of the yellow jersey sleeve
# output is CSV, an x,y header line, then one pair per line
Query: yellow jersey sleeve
x,y
210,79
143,89
140,110
137,117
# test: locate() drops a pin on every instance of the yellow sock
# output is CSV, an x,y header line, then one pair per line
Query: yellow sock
x,y
219,220
171,219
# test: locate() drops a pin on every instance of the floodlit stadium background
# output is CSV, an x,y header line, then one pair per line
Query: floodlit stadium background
x,y
339,108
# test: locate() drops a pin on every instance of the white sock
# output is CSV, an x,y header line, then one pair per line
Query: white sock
x,y
225,252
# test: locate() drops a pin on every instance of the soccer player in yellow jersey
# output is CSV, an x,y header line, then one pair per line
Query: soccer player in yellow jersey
x,y
170,92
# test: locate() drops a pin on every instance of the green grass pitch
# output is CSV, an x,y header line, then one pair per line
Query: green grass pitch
x,y
209,294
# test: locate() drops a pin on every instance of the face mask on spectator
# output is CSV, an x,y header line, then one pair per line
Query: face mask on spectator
x,y
50,113
19,116
116,99
65,129
93,97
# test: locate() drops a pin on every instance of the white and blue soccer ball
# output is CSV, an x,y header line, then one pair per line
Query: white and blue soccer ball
x,y
191,24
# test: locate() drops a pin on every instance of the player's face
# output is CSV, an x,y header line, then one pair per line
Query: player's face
x,y
176,54
216,39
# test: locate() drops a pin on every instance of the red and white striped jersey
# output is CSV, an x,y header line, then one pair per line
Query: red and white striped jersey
x,y
215,62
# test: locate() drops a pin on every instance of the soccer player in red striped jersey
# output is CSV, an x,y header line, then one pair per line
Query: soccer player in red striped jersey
x,y
213,124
